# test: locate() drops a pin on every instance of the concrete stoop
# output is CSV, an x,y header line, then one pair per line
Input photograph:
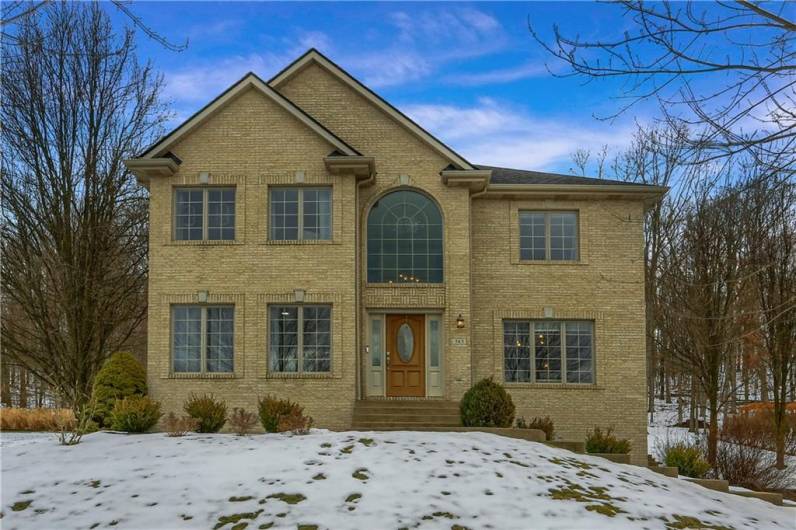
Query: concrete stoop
x,y
429,415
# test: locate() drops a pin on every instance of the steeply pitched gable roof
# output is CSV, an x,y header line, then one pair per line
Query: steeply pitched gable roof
x,y
314,56
250,80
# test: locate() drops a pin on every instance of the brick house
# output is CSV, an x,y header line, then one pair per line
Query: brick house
x,y
308,240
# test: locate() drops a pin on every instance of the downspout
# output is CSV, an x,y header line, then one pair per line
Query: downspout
x,y
357,287
470,220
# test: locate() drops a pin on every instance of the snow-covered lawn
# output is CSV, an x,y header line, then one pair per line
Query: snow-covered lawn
x,y
385,480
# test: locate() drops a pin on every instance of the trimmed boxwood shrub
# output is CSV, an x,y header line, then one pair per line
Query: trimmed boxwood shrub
x,y
688,458
121,376
605,442
487,404
135,414
208,411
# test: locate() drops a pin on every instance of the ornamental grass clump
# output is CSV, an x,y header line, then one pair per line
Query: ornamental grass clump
x,y
211,413
605,442
135,414
487,404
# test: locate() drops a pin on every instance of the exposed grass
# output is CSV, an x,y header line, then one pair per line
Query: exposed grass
x,y
353,497
682,522
361,474
606,509
235,518
367,442
289,498
347,449
20,506
13,419
240,499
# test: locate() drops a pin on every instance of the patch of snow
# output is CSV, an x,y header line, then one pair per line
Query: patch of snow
x,y
428,480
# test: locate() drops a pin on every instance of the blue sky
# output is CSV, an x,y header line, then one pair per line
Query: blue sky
x,y
468,72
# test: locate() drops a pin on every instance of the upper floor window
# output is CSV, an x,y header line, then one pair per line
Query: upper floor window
x,y
301,214
405,239
549,236
548,351
204,214
202,338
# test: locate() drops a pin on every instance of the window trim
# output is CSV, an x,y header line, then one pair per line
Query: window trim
x,y
202,341
205,224
299,340
300,214
547,235
532,350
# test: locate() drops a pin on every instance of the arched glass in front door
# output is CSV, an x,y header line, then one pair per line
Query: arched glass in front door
x,y
405,239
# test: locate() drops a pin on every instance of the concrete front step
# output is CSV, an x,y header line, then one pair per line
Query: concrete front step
x,y
407,405
406,425
406,416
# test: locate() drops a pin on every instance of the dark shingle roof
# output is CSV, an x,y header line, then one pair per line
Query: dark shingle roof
x,y
502,175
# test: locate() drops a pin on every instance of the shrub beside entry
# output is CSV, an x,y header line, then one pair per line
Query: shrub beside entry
x,y
208,411
135,414
121,376
487,404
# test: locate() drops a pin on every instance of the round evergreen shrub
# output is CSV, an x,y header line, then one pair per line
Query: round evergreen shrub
x,y
135,414
121,376
208,411
487,404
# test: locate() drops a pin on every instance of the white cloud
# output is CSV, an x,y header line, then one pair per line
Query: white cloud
x,y
492,133
503,75
425,41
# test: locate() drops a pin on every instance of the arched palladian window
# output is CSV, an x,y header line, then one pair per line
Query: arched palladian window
x,y
404,239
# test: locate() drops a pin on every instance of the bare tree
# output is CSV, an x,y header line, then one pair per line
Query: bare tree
x,y
771,247
728,67
16,12
699,285
75,104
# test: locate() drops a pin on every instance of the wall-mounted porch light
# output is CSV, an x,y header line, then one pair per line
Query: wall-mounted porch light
x,y
460,321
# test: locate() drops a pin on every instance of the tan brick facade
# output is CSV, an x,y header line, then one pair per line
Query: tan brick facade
x,y
252,144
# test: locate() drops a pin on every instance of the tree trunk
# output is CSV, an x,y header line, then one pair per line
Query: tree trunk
x,y
23,388
713,432
5,387
763,376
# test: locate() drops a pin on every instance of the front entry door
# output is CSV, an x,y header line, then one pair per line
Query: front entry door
x,y
406,355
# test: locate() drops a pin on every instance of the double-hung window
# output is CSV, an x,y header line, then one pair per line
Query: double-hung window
x,y
548,351
548,236
204,214
300,338
203,338
300,214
